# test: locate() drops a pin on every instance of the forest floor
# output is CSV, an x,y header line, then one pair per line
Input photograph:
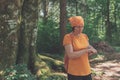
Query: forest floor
x,y
106,67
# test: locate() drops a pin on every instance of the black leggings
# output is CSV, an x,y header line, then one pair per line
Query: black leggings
x,y
72,77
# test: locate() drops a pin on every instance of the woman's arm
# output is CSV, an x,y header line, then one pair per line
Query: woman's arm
x,y
75,54
94,51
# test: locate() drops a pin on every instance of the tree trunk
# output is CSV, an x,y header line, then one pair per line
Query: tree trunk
x,y
76,6
9,26
28,34
108,26
18,32
45,10
62,21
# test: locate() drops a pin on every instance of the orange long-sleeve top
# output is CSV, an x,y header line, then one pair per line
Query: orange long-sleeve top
x,y
79,66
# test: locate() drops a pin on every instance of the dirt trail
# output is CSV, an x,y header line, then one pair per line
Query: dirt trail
x,y
107,68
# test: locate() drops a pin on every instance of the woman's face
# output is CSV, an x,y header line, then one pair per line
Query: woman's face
x,y
78,29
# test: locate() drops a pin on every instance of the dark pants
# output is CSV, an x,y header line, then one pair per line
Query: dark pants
x,y
72,77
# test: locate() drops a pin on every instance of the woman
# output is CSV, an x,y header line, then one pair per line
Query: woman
x,y
78,49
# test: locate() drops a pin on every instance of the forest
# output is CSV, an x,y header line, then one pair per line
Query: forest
x,y
32,32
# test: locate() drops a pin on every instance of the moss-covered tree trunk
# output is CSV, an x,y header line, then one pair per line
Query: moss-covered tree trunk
x,y
28,33
18,32
9,27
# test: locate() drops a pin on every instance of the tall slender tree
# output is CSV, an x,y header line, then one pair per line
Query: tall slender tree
x,y
63,15
107,22
45,10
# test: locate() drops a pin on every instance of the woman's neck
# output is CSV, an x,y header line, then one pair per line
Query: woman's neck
x,y
76,34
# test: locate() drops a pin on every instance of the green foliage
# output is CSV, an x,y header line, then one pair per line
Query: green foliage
x,y
48,37
117,48
18,72
54,76
92,33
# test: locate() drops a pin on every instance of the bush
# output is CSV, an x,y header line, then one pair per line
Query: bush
x,y
48,39
18,72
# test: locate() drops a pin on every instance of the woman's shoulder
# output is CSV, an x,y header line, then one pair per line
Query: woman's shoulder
x,y
67,39
84,34
68,34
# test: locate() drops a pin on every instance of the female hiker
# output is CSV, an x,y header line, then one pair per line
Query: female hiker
x,y
77,49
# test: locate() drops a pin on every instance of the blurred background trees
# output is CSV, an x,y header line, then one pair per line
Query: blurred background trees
x,y
101,22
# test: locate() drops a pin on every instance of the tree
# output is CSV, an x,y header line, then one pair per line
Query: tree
x,y
108,26
45,10
28,32
18,32
62,20
9,26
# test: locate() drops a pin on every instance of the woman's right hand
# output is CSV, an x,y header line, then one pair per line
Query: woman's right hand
x,y
91,51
